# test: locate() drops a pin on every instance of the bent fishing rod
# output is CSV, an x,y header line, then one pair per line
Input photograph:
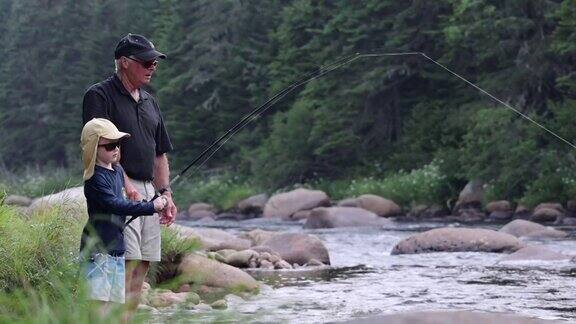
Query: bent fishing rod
x,y
209,151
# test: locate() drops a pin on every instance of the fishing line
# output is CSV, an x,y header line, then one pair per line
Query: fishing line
x,y
323,70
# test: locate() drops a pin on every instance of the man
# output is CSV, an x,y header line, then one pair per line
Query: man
x,y
122,100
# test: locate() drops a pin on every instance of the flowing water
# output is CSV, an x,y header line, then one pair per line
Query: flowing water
x,y
366,280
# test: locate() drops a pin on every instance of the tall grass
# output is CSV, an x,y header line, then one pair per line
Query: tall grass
x,y
39,270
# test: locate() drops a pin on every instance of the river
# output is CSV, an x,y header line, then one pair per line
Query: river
x,y
366,280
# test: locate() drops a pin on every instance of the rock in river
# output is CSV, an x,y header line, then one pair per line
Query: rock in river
x,y
458,240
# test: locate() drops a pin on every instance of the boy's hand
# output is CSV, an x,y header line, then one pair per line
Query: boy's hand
x,y
160,203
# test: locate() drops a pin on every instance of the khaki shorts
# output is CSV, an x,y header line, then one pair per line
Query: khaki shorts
x,y
142,236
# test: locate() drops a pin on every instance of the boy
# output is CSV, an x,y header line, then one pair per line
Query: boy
x,y
102,244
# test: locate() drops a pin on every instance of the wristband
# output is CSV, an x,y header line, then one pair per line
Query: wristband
x,y
165,190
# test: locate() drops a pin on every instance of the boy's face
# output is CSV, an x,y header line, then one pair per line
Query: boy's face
x,y
108,153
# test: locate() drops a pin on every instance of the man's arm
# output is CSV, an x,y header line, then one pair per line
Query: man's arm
x,y
161,181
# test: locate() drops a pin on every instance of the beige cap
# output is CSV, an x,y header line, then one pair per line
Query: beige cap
x,y
91,133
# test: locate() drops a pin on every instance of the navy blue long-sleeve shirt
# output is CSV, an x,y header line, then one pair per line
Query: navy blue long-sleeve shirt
x,y
107,211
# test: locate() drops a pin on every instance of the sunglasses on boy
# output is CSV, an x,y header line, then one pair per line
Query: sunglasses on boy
x,y
146,65
110,146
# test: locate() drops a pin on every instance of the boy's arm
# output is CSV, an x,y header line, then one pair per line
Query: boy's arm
x,y
103,195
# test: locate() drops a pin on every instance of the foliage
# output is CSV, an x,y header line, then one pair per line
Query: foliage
x,y
422,186
223,191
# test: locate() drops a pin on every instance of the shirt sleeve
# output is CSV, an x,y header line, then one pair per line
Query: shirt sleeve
x,y
100,192
163,143
93,106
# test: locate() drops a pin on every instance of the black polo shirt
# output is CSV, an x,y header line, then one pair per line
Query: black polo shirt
x,y
142,119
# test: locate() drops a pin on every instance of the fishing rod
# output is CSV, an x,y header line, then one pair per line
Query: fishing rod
x,y
207,153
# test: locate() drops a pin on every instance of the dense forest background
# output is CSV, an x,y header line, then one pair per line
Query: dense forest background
x,y
372,118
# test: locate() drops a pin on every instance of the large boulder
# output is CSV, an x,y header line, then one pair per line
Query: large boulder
x,y
212,239
544,214
332,217
458,240
70,200
257,236
253,204
500,205
471,196
427,212
536,253
285,204
451,317
298,248
524,228
201,270
378,205
201,207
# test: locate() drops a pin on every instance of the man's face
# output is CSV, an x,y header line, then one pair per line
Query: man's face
x,y
140,73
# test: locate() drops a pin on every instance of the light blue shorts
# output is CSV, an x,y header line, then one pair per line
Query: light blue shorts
x,y
105,276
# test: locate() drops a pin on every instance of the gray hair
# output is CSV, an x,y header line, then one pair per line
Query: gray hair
x,y
117,65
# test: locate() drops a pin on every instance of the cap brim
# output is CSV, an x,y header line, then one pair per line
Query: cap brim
x,y
115,135
149,55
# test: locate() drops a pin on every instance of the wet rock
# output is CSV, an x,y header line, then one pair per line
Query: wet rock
x,y
522,212
265,264
212,239
232,216
378,205
332,217
15,200
219,304
298,248
458,240
524,228
451,317
545,214
241,259
500,205
299,215
285,204
536,253
282,265
569,221
201,207
165,299
427,212
471,196
348,202
499,215
258,236
201,214
470,215
313,263
253,204
203,271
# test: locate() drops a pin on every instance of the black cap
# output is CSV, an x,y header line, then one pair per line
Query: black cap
x,y
138,47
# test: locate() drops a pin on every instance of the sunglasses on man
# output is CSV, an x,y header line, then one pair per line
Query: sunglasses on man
x,y
146,65
110,146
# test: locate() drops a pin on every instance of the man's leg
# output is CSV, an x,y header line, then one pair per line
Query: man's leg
x,y
136,271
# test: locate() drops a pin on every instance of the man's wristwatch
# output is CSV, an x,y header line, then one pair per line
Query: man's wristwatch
x,y
165,190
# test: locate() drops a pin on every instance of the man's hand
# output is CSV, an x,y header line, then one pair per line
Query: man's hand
x,y
168,215
131,191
